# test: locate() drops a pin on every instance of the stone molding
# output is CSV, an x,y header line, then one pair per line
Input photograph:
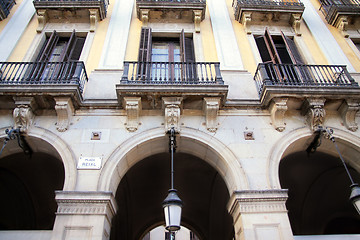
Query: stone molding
x,y
86,203
132,106
277,109
172,106
258,201
64,110
348,110
23,113
211,108
313,109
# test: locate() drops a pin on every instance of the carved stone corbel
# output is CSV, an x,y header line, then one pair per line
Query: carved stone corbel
x,y
343,25
42,19
64,110
144,16
211,108
278,107
295,20
172,106
132,106
94,18
313,109
348,111
197,20
23,113
246,21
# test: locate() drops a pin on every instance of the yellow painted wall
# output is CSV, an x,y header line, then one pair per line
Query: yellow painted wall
x,y
12,12
132,48
208,40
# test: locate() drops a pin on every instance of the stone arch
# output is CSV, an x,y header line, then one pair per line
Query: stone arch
x,y
190,141
299,139
61,150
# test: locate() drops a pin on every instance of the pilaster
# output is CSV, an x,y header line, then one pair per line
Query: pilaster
x,y
260,214
172,107
84,215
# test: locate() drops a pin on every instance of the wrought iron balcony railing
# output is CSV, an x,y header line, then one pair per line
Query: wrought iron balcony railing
x,y
73,4
41,73
177,73
286,6
269,74
5,6
332,9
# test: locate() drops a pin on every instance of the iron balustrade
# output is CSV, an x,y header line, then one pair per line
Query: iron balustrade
x,y
203,73
331,8
37,73
302,76
172,1
5,6
267,3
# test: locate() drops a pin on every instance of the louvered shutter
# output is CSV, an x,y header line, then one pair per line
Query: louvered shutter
x,y
145,45
45,54
188,56
292,50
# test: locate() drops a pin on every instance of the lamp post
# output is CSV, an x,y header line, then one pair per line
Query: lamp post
x,y
172,204
355,189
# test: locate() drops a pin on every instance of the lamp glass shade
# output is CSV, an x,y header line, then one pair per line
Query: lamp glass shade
x,y
355,196
172,210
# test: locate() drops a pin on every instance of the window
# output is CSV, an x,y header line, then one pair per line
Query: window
x,y
57,57
166,58
282,61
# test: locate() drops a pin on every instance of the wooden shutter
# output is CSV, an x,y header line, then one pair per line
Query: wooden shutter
x,y
275,58
77,48
145,45
65,55
292,50
263,49
45,53
186,48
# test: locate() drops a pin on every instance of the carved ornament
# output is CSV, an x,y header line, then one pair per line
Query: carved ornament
x,y
246,21
42,19
197,19
211,108
343,26
132,106
277,109
64,110
144,16
23,113
172,106
295,21
313,109
94,18
348,111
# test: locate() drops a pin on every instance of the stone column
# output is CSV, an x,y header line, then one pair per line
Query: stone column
x,y
83,215
260,214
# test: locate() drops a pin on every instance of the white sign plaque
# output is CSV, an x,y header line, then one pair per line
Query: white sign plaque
x,y
89,163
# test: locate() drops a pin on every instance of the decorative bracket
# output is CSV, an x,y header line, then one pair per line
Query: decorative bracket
x,y
144,16
65,110
94,18
348,110
197,20
211,108
132,106
313,109
42,19
295,20
23,113
246,21
342,25
172,107
278,108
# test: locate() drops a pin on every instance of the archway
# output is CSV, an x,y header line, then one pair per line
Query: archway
x,y
144,187
28,185
319,186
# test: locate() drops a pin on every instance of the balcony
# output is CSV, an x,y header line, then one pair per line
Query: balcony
x,y
42,80
72,10
174,10
336,11
5,6
257,11
191,80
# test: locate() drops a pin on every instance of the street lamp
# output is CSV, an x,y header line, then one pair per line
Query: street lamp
x,y
355,189
172,204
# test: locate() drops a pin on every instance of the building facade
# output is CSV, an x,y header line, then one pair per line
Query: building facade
x,y
89,90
